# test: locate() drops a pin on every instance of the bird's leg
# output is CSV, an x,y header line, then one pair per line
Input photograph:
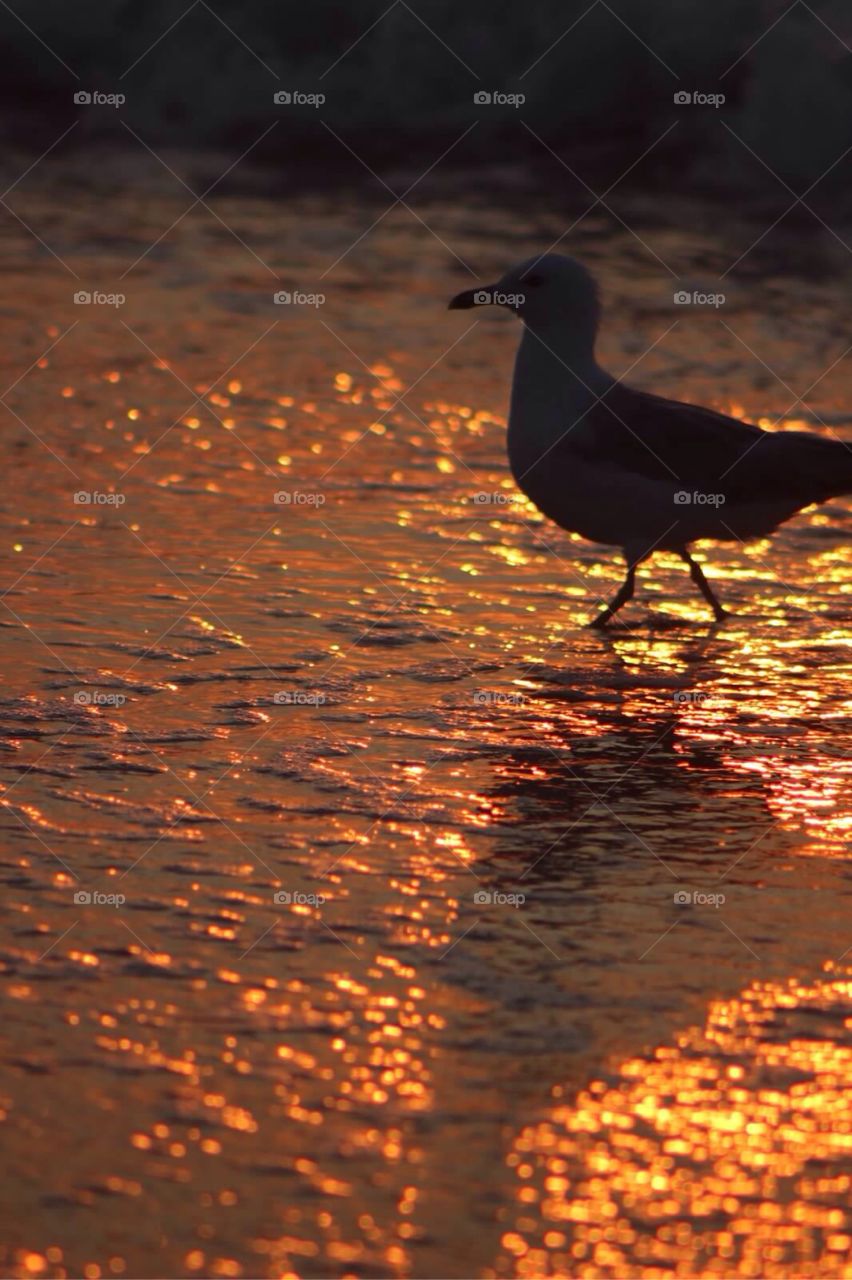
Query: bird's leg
x,y
624,593
697,575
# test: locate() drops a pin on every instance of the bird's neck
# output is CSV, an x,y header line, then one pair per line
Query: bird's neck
x,y
560,360
557,383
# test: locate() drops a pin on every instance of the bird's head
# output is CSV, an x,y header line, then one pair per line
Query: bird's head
x,y
547,291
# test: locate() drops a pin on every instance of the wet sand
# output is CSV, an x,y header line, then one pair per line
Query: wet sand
x,y
302,738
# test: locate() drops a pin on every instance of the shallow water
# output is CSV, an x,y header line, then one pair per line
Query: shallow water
x,y
479,1034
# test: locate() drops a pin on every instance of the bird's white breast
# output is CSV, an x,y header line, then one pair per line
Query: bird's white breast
x,y
554,454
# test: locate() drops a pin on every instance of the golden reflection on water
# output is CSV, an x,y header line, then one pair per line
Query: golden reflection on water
x,y
212,1083
727,1153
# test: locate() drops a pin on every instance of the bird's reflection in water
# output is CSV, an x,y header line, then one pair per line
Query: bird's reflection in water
x,y
644,840
658,962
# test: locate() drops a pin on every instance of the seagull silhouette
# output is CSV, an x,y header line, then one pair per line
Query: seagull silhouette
x,y
634,470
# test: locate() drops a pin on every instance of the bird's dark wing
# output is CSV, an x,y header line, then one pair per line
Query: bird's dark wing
x,y
697,448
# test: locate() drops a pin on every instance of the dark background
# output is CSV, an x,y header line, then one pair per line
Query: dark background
x,y
598,93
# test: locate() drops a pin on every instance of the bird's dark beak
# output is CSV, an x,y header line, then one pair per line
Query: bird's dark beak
x,y
471,298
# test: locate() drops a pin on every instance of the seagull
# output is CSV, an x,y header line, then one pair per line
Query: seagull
x,y
629,469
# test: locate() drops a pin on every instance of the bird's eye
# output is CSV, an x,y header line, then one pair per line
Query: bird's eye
x,y
534,280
